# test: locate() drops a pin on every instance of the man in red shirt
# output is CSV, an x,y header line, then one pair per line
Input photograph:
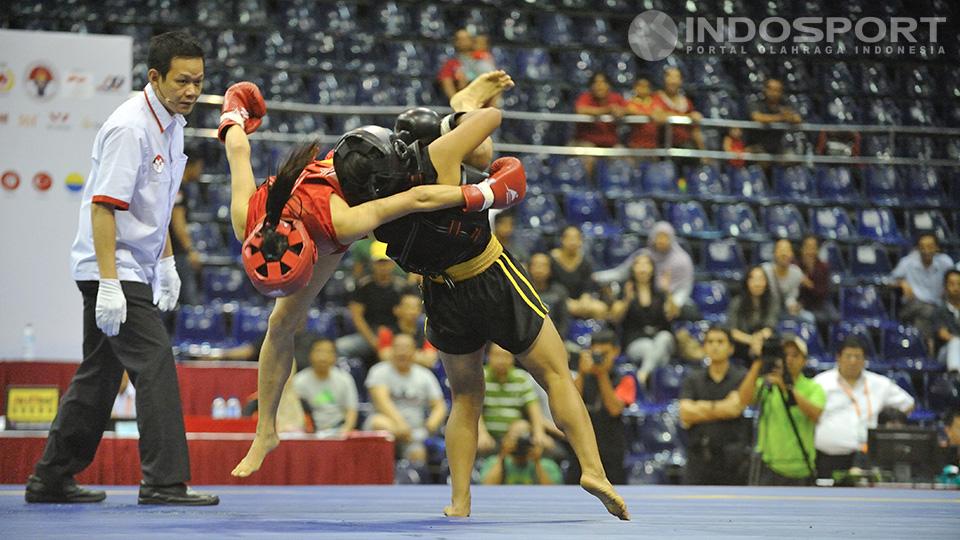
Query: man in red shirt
x,y
597,101
452,76
644,135
671,102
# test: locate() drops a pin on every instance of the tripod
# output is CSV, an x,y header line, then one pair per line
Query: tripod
x,y
756,458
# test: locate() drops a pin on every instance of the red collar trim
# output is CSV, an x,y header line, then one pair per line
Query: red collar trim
x,y
155,117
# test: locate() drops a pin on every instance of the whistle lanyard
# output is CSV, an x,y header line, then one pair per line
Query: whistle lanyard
x,y
856,405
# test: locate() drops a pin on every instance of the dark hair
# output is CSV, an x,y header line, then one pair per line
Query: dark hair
x,y
593,78
722,329
653,276
603,336
746,303
950,272
503,215
852,341
922,235
323,339
889,415
280,191
165,47
808,236
351,168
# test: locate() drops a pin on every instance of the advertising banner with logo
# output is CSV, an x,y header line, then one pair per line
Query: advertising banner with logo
x,y
56,89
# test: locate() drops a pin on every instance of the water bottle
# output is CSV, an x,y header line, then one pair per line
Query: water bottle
x,y
233,407
29,342
219,410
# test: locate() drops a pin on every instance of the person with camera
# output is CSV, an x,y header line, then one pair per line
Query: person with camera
x,y
520,461
606,394
776,384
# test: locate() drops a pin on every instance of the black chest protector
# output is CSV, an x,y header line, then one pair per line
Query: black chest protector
x,y
427,243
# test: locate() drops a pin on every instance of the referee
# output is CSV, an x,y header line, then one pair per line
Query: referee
x,y
123,264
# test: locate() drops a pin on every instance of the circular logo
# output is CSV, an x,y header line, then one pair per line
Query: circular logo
x,y
42,82
6,79
10,180
652,35
74,182
42,181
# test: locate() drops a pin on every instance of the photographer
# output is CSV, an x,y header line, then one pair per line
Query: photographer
x,y
520,461
781,447
605,394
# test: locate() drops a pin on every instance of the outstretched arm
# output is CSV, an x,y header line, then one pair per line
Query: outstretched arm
x,y
242,183
353,223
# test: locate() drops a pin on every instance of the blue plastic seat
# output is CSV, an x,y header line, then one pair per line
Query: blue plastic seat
x,y
903,346
334,89
638,215
534,64
837,78
226,283
322,323
206,238
556,29
393,19
706,182
581,330
884,112
585,207
431,24
516,26
505,59
929,221
660,180
723,259
917,147
621,66
596,31
200,325
862,304
922,186
373,91
709,73
836,184
577,66
796,75
921,113
690,219
875,79
784,221
618,178
712,298
881,185
876,146
535,167
877,224
544,98
842,110
749,183
832,223
804,106
620,248
831,254
408,58
919,83
818,356
843,329
721,104
250,323
541,212
794,184
567,174
738,221
869,262
665,382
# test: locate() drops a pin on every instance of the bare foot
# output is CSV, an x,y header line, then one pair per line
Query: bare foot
x,y
481,90
261,446
603,490
455,509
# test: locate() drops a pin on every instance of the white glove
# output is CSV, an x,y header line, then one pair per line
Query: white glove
x,y
169,284
111,307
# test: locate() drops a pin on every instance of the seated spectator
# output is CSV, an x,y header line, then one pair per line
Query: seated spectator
x,y
503,228
670,101
606,394
788,456
520,461
573,269
645,135
733,142
125,404
946,322
951,445
644,319
855,398
891,417
551,293
784,279
372,306
509,397
453,74
330,393
291,417
814,294
710,409
770,110
408,313
407,400
919,275
481,59
752,315
599,100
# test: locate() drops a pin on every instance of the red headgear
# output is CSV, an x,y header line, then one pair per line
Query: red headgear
x,y
287,269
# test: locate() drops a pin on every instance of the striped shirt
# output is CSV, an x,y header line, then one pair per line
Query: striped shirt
x,y
505,402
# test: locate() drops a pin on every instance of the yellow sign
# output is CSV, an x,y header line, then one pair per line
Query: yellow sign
x,y
32,404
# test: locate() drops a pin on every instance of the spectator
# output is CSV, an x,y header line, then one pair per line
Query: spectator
x,y
573,269
503,228
453,75
785,462
407,313
946,322
891,417
814,295
672,102
855,398
188,260
509,397
784,279
551,293
481,59
407,400
646,134
599,100
919,275
710,411
768,111
372,306
520,461
606,393
951,428
330,393
291,416
644,320
752,314
733,142
125,405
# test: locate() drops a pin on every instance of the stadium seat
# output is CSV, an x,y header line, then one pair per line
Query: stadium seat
x,y
618,178
567,174
749,183
585,207
638,215
835,184
738,221
541,212
322,323
534,64
784,221
861,304
200,325
837,78
794,184
660,180
929,221
884,112
556,29
578,65
226,283
796,75
918,82
903,347
832,223
408,58
869,263
621,66
712,298
516,26
708,73
842,110
844,329
581,330
690,219
877,224
875,79
922,187
902,378
535,167
505,59
431,24
393,19
723,259
665,382
206,238
831,254
817,355
624,246
250,324
876,146
706,183
596,31
881,186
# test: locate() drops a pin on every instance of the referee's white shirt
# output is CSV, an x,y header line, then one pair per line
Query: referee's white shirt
x,y
138,163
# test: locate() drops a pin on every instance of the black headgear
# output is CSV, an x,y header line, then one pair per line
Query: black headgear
x,y
388,167
418,124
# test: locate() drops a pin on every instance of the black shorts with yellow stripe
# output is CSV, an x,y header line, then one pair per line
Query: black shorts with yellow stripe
x,y
498,305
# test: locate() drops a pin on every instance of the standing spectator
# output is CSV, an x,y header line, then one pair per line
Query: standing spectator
x,y
710,411
330,393
606,394
855,398
520,461
573,269
123,264
452,76
672,102
509,397
407,313
372,306
768,111
752,315
644,321
503,229
946,322
407,399
644,135
188,260
814,294
784,462
551,293
733,142
598,100
919,275
784,279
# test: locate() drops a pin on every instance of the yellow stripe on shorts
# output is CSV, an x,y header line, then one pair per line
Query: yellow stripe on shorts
x,y
532,290
519,290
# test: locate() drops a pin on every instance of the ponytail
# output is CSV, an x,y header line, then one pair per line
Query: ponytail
x,y
279,193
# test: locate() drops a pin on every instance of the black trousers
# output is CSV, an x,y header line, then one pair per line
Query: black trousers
x,y
827,463
142,348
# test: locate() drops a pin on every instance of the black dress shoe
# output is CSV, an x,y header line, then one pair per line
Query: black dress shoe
x,y
175,495
67,491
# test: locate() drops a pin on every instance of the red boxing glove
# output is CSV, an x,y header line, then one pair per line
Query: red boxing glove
x,y
506,186
243,106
